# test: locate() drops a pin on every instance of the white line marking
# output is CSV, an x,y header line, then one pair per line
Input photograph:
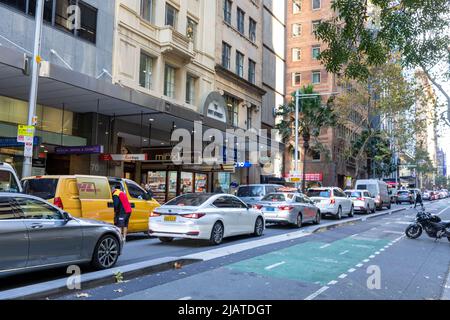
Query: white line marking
x,y
378,252
442,211
351,270
366,260
393,232
372,256
354,235
275,265
359,265
382,249
403,222
318,292
344,252
186,298
332,282
342,276
325,245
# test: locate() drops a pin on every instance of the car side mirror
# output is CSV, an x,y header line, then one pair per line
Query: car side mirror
x,y
67,217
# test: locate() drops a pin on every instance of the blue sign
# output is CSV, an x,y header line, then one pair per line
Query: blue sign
x,y
79,150
12,142
245,164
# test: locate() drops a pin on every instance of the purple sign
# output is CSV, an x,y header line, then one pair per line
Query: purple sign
x,y
79,150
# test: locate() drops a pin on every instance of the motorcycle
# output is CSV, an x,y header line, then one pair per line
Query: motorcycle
x,y
432,224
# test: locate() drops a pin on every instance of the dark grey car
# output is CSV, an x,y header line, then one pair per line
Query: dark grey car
x,y
36,235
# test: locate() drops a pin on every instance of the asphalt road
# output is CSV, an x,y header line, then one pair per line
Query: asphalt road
x,y
363,260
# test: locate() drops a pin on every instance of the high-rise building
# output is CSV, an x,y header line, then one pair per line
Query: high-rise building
x,y
331,168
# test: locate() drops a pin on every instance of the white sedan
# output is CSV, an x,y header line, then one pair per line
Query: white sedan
x,y
205,216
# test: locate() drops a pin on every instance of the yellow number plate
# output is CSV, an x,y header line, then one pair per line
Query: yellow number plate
x,y
170,218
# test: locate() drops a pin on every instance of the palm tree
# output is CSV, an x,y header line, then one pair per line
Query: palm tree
x,y
312,118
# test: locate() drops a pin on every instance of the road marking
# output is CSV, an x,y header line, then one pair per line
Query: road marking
x,y
351,270
393,232
366,260
185,298
332,282
318,292
354,235
325,245
382,249
342,276
403,222
344,252
442,211
372,256
377,253
359,265
275,265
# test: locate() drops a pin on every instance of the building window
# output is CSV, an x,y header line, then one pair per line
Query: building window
x,y
315,24
250,117
315,155
296,78
316,77
171,16
146,71
233,109
296,54
239,64
227,4
252,30
147,10
315,52
240,20
316,4
191,31
296,29
190,89
169,81
226,52
296,6
251,71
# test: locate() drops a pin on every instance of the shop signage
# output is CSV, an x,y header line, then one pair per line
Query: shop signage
x,y
245,164
297,177
123,157
79,150
12,142
25,133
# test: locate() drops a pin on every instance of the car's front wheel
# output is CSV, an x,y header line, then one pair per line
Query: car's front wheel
x,y
217,234
259,227
165,239
318,218
106,253
351,213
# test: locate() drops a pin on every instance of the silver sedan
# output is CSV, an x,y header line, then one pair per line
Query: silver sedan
x,y
289,208
36,235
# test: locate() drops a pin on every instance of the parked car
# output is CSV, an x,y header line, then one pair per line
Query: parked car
x,y
378,189
9,182
205,216
253,193
363,201
90,197
331,201
434,195
37,235
289,208
405,196
426,195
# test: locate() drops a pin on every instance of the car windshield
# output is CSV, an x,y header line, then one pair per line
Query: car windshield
x,y
189,200
7,182
277,197
318,193
250,191
372,188
403,192
42,188
354,194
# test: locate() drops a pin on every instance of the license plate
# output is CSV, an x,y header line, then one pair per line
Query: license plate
x,y
270,209
170,218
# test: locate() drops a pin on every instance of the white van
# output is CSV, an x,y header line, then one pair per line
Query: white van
x,y
9,182
378,189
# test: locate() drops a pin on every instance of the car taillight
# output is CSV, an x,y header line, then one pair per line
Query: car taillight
x,y
58,202
155,214
257,206
332,201
361,199
193,215
286,208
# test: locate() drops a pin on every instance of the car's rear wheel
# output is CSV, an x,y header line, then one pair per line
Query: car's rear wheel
x,y
374,209
165,239
259,227
351,213
106,252
339,214
217,234
299,221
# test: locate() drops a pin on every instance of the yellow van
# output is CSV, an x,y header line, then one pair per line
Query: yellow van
x,y
90,197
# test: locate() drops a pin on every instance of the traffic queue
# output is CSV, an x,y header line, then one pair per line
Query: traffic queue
x,y
51,221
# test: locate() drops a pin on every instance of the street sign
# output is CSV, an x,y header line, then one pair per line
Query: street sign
x,y
28,150
25,134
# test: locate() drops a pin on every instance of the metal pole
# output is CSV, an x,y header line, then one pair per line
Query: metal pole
x,y
297,102
28,161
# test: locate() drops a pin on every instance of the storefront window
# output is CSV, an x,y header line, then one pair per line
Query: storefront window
x,y
224,181
187,182
157,183
172,185
201,183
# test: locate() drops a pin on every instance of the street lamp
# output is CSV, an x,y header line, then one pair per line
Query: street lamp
x,y
28,160
306,137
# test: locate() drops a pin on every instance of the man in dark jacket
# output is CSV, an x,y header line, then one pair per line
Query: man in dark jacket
x,y
122,211
418,200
